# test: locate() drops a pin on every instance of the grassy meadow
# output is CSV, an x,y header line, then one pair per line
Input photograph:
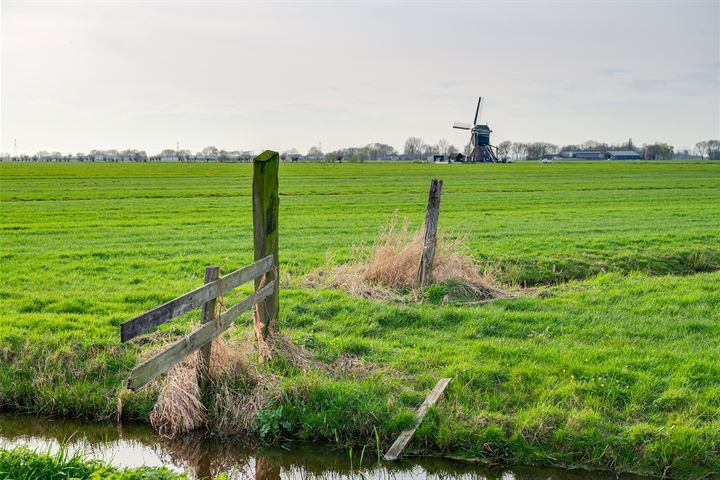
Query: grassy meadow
x,y
614,366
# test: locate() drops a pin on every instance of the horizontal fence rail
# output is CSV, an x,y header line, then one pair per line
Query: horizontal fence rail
x,y
195,298
177,351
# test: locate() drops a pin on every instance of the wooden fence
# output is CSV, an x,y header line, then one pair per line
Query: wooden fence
x,y
264,271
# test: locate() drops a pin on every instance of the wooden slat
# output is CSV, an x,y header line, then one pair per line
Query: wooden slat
x,y
183,303
176,352
245,274
404,438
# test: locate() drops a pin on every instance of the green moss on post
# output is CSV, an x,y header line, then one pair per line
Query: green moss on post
x,y
266,203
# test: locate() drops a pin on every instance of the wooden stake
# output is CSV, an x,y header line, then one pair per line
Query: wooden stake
x,y
405,437
266,204
212,273
431,223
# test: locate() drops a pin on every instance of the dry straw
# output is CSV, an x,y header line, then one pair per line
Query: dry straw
x,y
391,266
238,391
179,407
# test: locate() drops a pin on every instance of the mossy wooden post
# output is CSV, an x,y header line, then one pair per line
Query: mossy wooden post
x,y
212,273
266,204
431,222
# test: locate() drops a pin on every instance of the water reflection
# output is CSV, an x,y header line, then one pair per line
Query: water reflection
x,y
136,445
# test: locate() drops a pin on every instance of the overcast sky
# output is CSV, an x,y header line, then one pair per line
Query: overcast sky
x,y
255,75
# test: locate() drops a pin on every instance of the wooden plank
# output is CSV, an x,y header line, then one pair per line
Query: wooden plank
x,y
404,438
193,299
177,351
431,223
266,205
212,273
246,274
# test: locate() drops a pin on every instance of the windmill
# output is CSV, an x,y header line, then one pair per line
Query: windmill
x,y
482,151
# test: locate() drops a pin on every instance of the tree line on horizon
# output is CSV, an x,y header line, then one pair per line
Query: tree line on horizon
x,y
415,148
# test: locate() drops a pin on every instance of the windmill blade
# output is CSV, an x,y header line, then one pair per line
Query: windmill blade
x,y
462,126
478,111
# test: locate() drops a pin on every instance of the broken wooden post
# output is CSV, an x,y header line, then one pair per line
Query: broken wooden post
x,y
265,230
212,273
396,449
431,222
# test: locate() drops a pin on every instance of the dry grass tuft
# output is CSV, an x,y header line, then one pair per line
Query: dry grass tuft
x,y
232,360
392,266
238,390
235,408
282,346
179,408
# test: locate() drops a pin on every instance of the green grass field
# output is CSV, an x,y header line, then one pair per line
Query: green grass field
x,y
616,366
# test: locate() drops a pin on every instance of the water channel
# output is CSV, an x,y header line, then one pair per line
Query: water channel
x,y
137,445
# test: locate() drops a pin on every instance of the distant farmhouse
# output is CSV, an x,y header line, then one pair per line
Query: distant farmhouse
x,y
456,157
622,155
396,156
598,155
582,154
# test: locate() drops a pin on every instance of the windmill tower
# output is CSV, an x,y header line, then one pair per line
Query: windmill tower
x,y
482,151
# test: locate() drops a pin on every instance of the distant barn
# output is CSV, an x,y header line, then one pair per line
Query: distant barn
x,y
456,157
583,154
622,155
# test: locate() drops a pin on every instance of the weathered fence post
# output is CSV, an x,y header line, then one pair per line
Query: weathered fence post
x,y
265,231
212,273
431,222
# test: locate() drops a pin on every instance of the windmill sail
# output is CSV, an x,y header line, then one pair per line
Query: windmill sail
x,y
478,110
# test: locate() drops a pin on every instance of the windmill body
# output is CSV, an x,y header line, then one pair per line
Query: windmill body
x,y
482,150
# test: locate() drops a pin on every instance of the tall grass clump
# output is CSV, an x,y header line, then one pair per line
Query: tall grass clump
x,y
390,267
236,393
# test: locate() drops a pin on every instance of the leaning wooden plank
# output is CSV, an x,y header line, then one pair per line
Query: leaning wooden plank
x,y
176,352
246,274
184,303
404,438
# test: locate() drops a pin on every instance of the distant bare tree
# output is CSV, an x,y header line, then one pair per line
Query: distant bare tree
x,y
414,147
519,150
713,149
443,147
315,153
591,145
701,148
504,149
208,151
657,151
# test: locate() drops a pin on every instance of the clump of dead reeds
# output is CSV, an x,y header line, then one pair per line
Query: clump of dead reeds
x,y
238,388
179,408
391,266
240,391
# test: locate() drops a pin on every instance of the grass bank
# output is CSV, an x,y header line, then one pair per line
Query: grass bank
x,y
617,370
